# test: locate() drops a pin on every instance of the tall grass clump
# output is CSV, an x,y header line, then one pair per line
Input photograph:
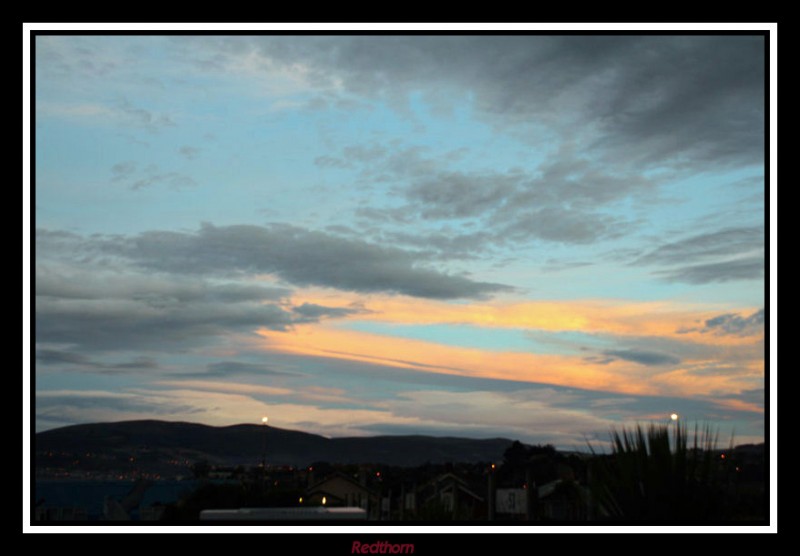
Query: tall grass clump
x,y
660,474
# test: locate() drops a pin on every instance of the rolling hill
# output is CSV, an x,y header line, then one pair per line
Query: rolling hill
x,y
90,445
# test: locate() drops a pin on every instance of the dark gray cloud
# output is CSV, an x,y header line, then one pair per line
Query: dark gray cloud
x,y
235,293
561,202
79,407
755,396
695,100
159,291
686,102
557,265
698,358
751,268
701,247
299,256
599,360
567,178
445,245
126,324
719,256
460,195
561,226
137,363
732,323
54,357
315,311
648,358
64,282
229,368
102,302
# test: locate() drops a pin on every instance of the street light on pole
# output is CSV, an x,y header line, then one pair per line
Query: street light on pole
x,y
674,417
264,421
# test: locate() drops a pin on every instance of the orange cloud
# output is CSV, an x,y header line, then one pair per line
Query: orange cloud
x,y
615,376
693,384
619,318
740,405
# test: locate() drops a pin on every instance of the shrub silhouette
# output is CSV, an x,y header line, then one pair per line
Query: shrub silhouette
x,y
655,475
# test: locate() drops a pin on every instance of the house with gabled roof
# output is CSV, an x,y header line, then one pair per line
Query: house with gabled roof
x,y
341,490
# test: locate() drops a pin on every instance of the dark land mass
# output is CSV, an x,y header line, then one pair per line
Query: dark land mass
x,y
164,447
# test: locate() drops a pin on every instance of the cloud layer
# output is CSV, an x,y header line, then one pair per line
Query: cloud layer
x,y
487,234
720,256
299,256
641,99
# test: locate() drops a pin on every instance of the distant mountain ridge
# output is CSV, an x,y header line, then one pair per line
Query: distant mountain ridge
x,y
154,440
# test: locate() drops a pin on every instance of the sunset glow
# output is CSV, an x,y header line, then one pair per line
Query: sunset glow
x,y
535,236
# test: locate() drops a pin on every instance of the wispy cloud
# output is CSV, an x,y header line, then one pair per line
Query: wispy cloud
x,y
69,359
238,368
621,375
136,177
121,114
642,357
719,256
189,152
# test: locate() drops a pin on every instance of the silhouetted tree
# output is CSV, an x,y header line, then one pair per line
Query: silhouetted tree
x,y
515,455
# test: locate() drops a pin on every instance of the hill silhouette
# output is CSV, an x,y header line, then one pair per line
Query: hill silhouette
x,y
153,440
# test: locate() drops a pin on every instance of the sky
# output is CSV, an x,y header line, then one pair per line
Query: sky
x,y
537,237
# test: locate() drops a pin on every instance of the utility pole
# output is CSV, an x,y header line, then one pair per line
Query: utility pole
x,y
264,421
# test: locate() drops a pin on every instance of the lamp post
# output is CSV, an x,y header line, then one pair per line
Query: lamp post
x,y
264,421
674,417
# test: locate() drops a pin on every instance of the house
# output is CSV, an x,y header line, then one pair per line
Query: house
x,y
340,490
448,496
